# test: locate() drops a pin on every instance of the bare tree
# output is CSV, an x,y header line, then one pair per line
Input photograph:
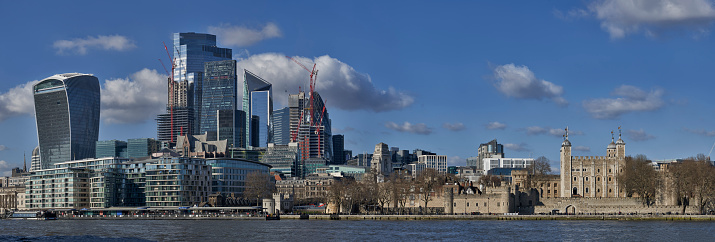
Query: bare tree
x,y
693,181
538,171
427,182
490,181
258,185
337,193
639,177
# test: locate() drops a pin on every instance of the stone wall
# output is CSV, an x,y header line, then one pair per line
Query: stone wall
x,y
604,206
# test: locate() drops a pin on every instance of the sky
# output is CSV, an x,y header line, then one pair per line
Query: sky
x,y
443,77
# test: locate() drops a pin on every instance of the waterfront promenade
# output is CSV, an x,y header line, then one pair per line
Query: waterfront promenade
x,y
394,217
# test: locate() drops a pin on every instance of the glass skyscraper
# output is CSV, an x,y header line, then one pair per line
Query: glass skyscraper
x,y
258,101
281,126
67,117
192,51
218,107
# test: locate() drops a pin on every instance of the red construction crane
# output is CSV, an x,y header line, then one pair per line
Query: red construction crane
x,y
171,91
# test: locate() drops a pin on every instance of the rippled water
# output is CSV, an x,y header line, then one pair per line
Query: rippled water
x,y
367,230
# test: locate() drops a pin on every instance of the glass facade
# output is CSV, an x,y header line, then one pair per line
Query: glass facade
x,y
219,100
67,115
281,126
111,148
192,50
143,147
229,175
264,105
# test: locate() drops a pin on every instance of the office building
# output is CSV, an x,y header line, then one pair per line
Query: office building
x,y
381,160
338,147
192,51
229,175
282,158
67,115
137,148
314,135
281,126
489,150
111,148
257,101
436,162
219,100
179,117
493,163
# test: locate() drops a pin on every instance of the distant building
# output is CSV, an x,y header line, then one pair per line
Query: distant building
x,y
281,126
35,163
338,147
493,163
179,118
258,102
489,150
142,147
67,115
381,160
230,175
436,162
282,158
165,187
111,148
218,105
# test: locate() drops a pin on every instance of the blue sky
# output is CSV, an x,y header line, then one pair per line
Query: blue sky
x,y
443,77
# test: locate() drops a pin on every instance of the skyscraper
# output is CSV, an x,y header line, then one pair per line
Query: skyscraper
x,y
338,147
219,100
281,126
191,51
67,115
179,117
258,101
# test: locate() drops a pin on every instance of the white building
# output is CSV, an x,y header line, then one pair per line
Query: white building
x,y
437,162
491,163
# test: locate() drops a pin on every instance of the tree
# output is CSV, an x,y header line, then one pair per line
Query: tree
x,y
538,171
693,181
337,193
639,177
426,183
490,181
258,185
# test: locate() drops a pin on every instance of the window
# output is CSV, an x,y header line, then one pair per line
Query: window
x,y
455,204
574,178
587,190
609,170
586,178
598,178
609,179
485,204
598,170
609,190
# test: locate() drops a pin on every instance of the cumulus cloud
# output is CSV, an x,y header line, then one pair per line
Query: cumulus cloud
x,y
241,36
632,99
338,83
496,125
620,18
135,99
517,147
520,82
17,101
419,128
81,46
638,135
702,132
454,126
582,148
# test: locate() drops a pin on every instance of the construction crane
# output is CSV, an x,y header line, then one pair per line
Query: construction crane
x,y
171,87
312,114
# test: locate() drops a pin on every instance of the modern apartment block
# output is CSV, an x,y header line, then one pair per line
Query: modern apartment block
x,y
67,115
177,181
230,175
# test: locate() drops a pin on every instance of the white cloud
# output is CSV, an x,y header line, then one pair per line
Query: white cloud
x,y
632,99
702,132
496,125
454,126
455,160
338,83
638,135
582,148
520,82
17,101
2,147
136,99
536,130
241,36
5,169
621,17
517,147
419,128
81,46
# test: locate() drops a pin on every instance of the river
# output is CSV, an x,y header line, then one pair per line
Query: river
x,y
361,230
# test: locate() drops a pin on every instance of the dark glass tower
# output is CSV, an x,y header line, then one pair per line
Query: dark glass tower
x,y
281,126
67,114
258,101
218,107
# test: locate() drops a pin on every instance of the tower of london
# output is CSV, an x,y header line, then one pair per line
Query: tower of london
x,y
592,176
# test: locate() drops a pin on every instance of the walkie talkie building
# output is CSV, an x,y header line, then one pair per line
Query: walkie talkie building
x,y
67,115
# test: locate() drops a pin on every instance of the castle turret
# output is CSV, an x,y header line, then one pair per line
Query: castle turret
x,y
566,165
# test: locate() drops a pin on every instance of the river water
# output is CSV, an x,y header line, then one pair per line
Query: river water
x,y
361,230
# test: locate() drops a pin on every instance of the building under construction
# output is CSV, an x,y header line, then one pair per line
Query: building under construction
x,y
179,117
310,128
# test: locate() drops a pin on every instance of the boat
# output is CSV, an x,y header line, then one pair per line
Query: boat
x,y
273,216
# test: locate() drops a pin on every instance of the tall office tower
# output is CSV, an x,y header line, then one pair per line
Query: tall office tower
x,y
338,147
67,115
179,117
137,148
191,51
381,160
255,126
219,97
258,101
296,105
111,148
491,149
281,126
314,133
35,160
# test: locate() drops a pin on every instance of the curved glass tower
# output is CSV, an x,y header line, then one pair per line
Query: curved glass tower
x,y
67,116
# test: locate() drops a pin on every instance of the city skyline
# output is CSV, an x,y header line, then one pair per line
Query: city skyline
x,y
409,76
